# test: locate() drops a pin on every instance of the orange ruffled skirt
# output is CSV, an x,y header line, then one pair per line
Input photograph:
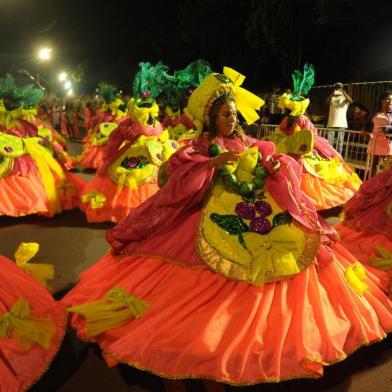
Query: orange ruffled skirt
x,y
20,368
119,202
202,325
324,195
25,194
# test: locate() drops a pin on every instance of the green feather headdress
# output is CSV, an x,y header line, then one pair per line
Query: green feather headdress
x,y
107,92
192,75
184,82
302,82
150,81
26,96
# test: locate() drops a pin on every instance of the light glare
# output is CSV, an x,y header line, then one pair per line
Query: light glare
x,y
44,53
63,76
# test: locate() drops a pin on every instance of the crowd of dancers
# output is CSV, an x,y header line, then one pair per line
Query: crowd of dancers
x,y
221,265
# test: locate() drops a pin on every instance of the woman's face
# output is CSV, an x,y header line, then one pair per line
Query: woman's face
x,y
387,104
226,119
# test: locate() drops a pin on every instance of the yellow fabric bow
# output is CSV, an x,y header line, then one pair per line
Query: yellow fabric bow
x,y
114,309
355,276
19,323
96,199
41,272
246,102
277,254
384,262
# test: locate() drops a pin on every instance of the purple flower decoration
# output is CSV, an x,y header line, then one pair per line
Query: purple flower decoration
x,y
260,225
174,145
245,210
263,208
42,143
133,162
160,156
8,149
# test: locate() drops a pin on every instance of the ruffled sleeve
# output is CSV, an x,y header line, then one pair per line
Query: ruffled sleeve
x,y
185,191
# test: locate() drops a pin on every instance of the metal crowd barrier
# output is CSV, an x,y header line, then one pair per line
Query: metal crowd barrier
x,y
352,146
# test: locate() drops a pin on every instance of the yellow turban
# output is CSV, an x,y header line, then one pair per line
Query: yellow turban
x,y
212,87
142,114
297,108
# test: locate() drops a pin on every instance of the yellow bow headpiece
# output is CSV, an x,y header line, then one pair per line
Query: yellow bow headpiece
x,y
297,108
215,85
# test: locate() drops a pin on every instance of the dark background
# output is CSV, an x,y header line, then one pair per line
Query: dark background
x,y
346,40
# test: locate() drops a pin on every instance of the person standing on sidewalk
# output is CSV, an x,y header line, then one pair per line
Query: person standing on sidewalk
x,y
338,103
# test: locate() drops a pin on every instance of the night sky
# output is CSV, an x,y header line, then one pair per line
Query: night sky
x,y
347,40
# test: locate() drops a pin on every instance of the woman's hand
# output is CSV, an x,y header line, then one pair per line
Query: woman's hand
x,y
225,158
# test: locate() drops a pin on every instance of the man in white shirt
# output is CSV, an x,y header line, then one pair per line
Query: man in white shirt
x,y
338,103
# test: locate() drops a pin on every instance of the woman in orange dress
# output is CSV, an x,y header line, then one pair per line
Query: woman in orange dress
x,y
133,154
33,179
326,179
228,272
111,114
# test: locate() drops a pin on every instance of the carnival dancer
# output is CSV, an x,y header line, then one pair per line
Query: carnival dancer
x,y
32,323
134,153
327,180
108,117
32,180
45,129
228,272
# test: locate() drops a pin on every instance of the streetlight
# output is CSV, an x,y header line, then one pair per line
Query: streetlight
x,y
67,85
70,92
63,76
44,54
